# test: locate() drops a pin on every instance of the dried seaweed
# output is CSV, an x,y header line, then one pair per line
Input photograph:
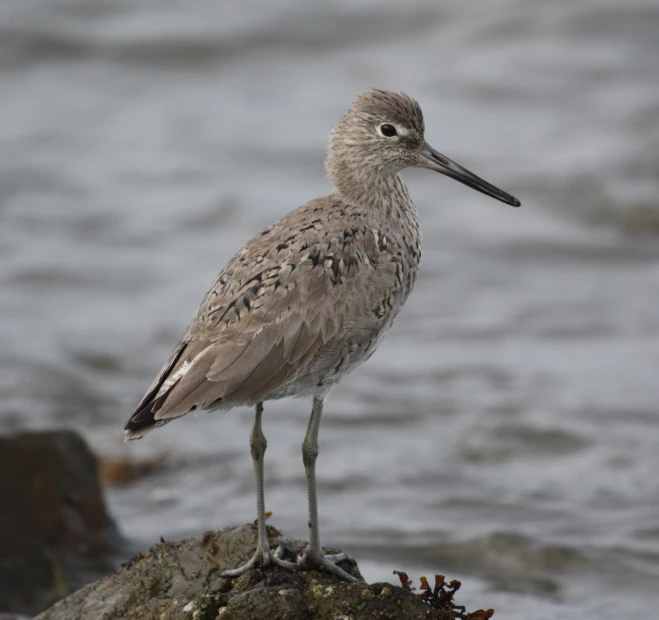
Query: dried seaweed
x,y
440,597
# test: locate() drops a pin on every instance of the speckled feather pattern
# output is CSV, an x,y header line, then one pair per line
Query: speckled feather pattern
x,y
309,298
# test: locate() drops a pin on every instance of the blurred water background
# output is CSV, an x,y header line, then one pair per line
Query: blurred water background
x,y
507,431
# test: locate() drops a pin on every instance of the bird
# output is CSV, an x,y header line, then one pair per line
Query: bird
x,y
309,299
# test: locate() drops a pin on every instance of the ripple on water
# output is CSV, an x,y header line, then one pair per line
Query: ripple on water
x,y
509,561
507,442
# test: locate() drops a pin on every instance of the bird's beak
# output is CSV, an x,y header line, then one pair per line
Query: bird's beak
x,y
430,158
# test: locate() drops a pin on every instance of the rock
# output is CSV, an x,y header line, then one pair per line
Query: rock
x,y
181,581
55,532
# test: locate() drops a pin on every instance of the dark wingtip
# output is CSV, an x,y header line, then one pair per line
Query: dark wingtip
x,y
144,418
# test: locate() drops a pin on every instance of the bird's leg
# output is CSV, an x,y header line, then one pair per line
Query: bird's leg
x,y
262,556
314,557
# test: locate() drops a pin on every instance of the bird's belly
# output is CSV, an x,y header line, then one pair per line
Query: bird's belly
x,y
329,366
340,357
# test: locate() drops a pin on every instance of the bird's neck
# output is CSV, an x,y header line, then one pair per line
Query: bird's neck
x,y
384,199
378,191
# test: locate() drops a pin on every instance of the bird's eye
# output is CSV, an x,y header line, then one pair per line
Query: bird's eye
x,y
388,131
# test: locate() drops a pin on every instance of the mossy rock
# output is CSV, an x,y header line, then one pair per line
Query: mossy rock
x,y
181,581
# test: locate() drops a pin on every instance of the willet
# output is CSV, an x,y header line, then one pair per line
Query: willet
x,y
309,298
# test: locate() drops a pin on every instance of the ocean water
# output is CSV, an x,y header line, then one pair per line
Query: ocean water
x,y
507,431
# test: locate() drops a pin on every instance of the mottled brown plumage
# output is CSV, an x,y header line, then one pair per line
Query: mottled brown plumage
x,y
290,313
309,298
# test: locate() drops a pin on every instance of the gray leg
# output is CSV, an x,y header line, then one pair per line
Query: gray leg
x,y
314,556
262,557
309,456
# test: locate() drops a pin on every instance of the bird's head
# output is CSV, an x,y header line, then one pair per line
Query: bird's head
x,y
382,133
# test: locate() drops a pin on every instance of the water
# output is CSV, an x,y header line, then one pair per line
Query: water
x,y
506,432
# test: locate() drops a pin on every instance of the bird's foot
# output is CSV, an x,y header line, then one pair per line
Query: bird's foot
x,y
262,558
310,560
304,561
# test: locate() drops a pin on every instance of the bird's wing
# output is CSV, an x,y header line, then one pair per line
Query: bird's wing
x,y
286,294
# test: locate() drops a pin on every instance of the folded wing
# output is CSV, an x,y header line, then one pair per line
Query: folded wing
x,y
268,314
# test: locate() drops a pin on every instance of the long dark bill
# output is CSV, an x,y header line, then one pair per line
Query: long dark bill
x,y
433,160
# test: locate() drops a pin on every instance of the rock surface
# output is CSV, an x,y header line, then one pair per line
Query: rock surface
x,y
55,532
181,581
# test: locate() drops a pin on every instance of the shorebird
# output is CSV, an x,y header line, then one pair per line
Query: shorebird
x,y
309,298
